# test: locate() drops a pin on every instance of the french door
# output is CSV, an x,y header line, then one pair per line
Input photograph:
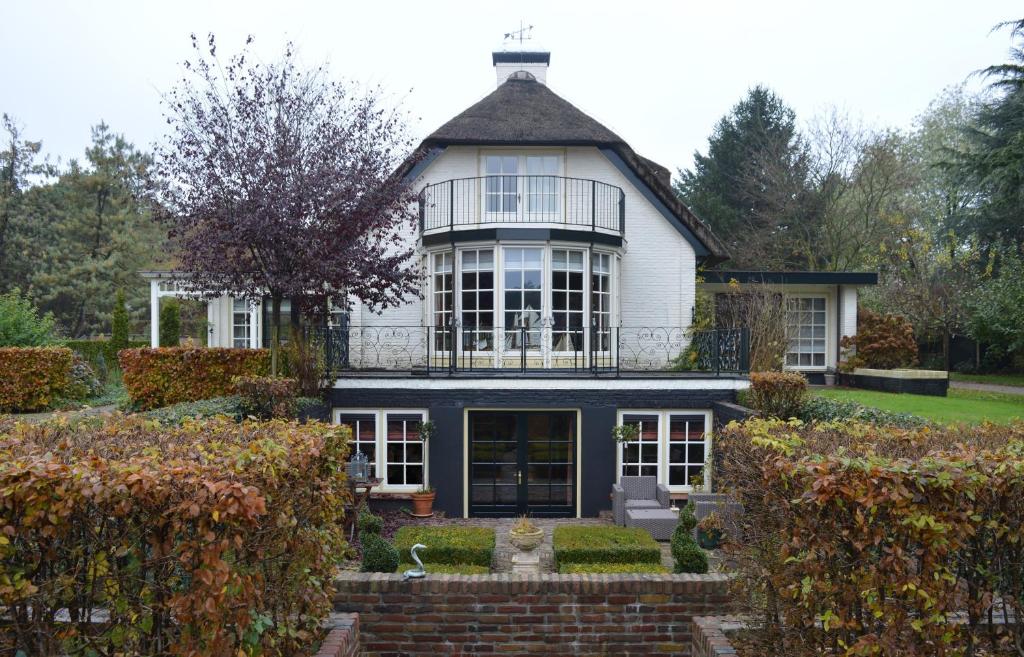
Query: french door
x,y
522,462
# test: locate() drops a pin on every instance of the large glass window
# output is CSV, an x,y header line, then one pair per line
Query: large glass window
x,y
640,456
477,278
404,450
241,324
542,184
500,191
364,436
686,449
442,301
805,329
601,299
567,272
524,269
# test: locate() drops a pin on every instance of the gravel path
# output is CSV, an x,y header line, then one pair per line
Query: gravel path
x,y
987,387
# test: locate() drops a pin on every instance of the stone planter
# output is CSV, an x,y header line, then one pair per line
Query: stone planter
x,y
830,380
526,541
423,504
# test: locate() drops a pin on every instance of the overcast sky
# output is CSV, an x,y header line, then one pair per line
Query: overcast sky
x,y
658,74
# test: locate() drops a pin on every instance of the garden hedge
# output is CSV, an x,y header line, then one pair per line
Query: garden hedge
x,y
32,377
447,544
579,544
168,375
215,538
101,352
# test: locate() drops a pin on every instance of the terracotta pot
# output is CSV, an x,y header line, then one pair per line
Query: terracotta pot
x,y
526,541
423,504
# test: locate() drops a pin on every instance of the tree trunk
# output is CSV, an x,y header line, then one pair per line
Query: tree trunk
x,y
945,347
275,333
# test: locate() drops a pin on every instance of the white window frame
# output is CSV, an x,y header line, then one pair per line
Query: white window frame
x,y
497,289
522,186
545,290
247,324
437,310
664,417
609,295
827,329
380,470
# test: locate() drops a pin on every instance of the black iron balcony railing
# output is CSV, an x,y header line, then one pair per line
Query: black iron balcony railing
x,y
572,202
598,350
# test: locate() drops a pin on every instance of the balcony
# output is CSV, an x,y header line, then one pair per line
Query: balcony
x,y
551,201
608,351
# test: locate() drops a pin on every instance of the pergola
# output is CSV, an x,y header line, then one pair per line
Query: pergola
x,y
174,284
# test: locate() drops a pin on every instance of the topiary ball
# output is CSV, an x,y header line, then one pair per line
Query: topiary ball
x,y
369,523
379,556
689,558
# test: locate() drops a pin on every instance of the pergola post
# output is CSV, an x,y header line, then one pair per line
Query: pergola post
x,y
254,316
154,313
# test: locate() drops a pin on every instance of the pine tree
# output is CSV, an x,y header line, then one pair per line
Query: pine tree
x,y
170,323
119,324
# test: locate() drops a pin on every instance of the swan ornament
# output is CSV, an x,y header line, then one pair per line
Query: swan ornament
x,y
419,571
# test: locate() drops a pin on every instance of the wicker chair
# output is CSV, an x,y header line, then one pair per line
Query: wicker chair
x,y
637,493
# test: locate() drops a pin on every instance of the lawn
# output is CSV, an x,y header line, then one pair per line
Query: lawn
x,y
996,379
968,406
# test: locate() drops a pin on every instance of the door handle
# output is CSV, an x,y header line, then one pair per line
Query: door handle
x,y
519,476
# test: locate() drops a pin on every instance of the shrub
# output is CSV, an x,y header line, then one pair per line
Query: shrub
x,y
447,544
610,568
777,394
446,568
230,407
583,544
119,324
825,409
158,377
101,354
369,523
82,381
21,325
379,556
688,557
192,540
32,377
304,362
882,342
312,408
170,323
266,397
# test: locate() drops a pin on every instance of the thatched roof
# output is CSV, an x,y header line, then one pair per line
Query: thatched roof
x,y
522,111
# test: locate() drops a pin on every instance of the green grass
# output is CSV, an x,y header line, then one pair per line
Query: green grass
x,y
996,379
597,568
961,406
447,569
448,544
604,544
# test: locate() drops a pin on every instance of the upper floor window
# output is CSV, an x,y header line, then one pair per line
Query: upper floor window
x,y
501,190
805,330
542,184
508,177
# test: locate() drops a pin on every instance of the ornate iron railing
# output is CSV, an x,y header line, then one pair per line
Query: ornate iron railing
x,y
573,202
594,349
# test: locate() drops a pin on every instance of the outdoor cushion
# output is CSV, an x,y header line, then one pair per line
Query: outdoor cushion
x,y
643,504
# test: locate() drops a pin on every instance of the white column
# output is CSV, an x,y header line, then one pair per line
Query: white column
x,y
254,319
154,313
211,323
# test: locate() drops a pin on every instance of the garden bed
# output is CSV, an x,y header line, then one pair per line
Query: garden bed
x,y
448,545
617,549
915,382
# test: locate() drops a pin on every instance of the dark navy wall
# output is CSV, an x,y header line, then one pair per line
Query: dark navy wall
x,y
598,409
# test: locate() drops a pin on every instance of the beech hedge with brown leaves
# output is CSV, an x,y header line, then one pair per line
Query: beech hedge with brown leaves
x,y
120,536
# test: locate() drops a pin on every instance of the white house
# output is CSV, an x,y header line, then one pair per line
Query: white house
x,y
559,286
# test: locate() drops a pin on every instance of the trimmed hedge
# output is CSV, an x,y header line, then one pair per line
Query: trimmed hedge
x,y
216,538
32,377
379,556
777,394
448,544
101,353
159,377
611,568
582,544
266,397
446,568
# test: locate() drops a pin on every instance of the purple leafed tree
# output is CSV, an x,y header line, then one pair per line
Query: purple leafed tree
x,y
278,181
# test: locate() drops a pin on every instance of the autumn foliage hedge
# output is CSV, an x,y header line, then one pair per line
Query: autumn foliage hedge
x,y
168,375
882,342
867,540
216,538
777,394
31,377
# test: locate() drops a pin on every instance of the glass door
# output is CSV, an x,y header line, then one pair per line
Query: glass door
x,y
522,462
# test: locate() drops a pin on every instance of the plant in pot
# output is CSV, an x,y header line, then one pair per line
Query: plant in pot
x,y
423,501
625,433
710,531
830,377
525,535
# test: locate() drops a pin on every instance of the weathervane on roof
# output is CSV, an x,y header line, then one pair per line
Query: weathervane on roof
x,y
523,33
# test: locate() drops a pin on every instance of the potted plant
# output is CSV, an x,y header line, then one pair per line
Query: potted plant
x,y
625,433
423,501
525,535
830,377
710,531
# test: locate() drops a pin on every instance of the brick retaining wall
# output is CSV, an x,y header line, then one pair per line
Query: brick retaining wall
x,y
709,639
342,639
529,615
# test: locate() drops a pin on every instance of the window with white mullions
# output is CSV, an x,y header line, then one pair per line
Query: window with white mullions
x,y
805,330
542,184
241,323
687,449
364,436
404,450
640,457
567,276
442,301
501,193
523,273
601,300
477,296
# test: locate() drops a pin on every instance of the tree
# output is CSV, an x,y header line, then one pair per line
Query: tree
x,y
170,323
119,324
750,186
18,167
997,309
278,181
994,156
21,325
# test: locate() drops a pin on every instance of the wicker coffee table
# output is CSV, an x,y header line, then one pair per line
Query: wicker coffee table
x,y
659,522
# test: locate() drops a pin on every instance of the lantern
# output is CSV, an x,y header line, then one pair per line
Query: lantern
x,y
359,467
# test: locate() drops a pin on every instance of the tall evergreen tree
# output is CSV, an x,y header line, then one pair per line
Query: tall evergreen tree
x,y
20,167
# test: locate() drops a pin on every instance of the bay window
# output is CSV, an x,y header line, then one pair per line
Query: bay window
x,y
567,271
523,274
601,299
390,439
672,445
805,330
442,301
477,293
